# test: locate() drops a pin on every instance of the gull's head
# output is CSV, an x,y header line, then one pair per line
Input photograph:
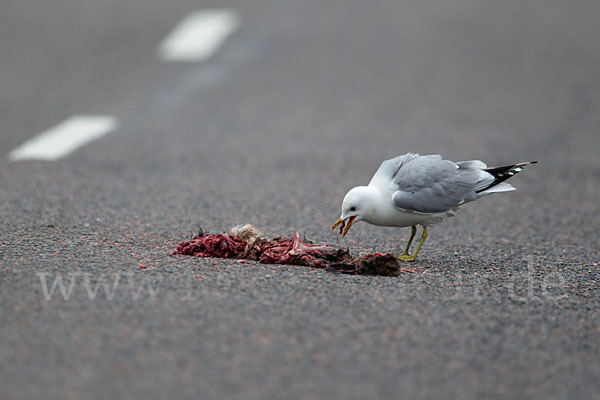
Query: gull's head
x,y
358,204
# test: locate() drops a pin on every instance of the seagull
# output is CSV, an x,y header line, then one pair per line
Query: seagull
x,y
411,190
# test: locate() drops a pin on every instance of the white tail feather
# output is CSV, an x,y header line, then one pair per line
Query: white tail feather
x,y
472,164
499,188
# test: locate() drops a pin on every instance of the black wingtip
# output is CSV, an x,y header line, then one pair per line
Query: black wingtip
x,y
521,164
505,172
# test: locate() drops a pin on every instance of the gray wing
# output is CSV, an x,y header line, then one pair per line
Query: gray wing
x,y
389,168
429,184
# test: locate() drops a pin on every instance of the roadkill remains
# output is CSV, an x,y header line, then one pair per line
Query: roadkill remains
x,y
244,242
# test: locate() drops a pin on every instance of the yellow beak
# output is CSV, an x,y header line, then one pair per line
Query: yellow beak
x,y
335,225
346,228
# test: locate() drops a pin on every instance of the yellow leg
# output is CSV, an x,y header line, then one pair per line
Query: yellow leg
x,y
413,256
412,235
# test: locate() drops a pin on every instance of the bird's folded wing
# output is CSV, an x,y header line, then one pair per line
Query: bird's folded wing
x,y
428,184
384,177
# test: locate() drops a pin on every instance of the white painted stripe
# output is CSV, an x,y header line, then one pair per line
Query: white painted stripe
x,y
65,137
199,35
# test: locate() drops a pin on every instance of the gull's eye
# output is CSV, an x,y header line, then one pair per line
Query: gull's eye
x,y
352,208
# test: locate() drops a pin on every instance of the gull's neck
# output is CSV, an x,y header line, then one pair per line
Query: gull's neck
x,y
377,200
384,212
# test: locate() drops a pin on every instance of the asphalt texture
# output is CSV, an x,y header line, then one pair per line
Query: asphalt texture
x,y
302,103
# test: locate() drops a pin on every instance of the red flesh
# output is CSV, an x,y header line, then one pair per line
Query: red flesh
x,y
209,245
342,226
294,251
275,251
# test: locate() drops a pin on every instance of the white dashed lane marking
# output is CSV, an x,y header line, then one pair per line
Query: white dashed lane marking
x,y
64,138
199,35
196,38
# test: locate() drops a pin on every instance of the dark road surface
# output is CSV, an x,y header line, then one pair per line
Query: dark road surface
x,y
300,104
